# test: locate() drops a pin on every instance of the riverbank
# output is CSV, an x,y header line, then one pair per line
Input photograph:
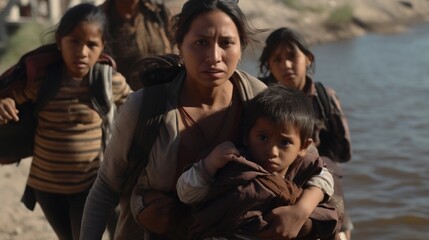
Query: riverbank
x,y
322,21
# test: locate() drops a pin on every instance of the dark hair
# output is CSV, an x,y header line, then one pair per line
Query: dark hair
x,y
280,104
158,69
279,37
193,8
84,12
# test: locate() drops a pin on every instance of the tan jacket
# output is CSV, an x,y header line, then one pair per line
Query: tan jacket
x,y
162,162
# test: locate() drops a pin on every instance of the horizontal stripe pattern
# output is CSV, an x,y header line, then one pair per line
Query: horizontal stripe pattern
x,y
68,141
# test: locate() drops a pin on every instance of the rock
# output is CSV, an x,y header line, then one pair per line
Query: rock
x,y
310,17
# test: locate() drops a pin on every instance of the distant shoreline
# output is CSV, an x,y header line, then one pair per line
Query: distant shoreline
x,y
313,18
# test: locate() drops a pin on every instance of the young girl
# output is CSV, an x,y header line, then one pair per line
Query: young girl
x,y
74,93
287,59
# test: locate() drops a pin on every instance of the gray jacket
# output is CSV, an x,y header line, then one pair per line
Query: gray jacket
x,y
105,194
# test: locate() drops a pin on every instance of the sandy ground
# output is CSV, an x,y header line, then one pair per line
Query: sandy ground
x,y
16,221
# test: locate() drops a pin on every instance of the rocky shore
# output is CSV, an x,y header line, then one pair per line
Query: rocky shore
x,y
330,20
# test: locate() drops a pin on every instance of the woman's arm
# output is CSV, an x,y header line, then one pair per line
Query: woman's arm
x,y
104,195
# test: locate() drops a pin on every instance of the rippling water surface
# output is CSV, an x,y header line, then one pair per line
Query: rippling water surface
x,y
383,84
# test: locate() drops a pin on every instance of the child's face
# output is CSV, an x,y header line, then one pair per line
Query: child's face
x,y
288,65
81,48
275,146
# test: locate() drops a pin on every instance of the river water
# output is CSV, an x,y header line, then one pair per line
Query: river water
x,y
383,84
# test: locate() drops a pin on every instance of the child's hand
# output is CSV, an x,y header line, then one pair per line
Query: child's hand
x,y
220,156
8,111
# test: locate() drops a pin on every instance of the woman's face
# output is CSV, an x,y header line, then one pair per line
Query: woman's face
x,y
211,49
288,65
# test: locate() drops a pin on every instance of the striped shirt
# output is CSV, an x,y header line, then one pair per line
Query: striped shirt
x,y
68,139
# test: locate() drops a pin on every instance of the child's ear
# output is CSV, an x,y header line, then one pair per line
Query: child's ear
x,y
309,59
304,147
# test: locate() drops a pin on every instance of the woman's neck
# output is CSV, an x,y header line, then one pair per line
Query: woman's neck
x,y
205,97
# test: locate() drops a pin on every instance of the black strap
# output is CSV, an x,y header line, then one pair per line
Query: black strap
x,y
323,101
149,121
18,71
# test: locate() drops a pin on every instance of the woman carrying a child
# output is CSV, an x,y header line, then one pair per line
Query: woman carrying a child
x,y
204,106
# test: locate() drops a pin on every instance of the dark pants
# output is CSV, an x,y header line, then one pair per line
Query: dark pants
x,y
63,212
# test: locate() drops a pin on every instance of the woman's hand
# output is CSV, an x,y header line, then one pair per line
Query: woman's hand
x,y
284,223
158,213
8,111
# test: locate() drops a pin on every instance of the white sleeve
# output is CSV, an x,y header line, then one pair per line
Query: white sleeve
x,y
324,181
193,185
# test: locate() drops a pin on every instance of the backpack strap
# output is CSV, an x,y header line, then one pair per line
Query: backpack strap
x,y
30,66
49,86
149,122
323,101
100,83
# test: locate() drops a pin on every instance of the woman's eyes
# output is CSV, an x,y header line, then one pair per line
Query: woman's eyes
x,y
227,43
223,43
201,42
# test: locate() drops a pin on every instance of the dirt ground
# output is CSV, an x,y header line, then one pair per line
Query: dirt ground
x,y
16,221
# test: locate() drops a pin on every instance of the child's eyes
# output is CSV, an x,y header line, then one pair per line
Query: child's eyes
x,y
277,60
285,142
75,41
263,137
92,45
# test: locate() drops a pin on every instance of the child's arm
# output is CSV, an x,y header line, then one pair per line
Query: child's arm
x,y
318,184
8,111
287,221
120,88
193,185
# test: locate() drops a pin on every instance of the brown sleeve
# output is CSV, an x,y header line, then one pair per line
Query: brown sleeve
x,y
303,169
